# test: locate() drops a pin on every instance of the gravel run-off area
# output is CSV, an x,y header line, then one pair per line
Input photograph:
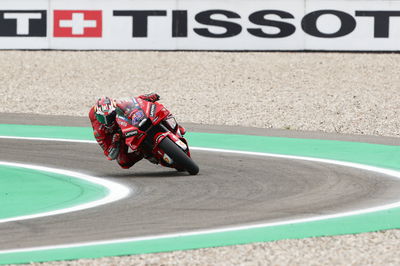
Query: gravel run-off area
x,y
353,93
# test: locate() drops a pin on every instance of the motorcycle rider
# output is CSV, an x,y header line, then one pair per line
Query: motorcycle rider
x,y
106,131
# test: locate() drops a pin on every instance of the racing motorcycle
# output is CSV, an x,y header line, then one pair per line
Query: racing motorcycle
x,y
150,128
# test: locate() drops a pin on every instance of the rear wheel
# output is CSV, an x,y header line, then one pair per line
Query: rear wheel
x,y
179,156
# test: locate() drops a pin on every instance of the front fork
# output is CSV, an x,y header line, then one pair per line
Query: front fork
x,y
160,136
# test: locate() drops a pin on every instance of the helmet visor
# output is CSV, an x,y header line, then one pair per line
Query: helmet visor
x,y
107,120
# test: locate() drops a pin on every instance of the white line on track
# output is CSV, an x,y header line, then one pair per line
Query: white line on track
x,y
49,139
115,191
391,173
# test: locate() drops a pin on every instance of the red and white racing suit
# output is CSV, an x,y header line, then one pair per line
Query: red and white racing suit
x,y
105,138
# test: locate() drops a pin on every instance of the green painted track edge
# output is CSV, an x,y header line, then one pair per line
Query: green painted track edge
x,y
384,156
44,191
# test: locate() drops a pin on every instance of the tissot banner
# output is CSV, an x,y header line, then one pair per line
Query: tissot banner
x,y
350,25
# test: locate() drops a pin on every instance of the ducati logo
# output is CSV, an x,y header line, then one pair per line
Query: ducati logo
x,y
77,23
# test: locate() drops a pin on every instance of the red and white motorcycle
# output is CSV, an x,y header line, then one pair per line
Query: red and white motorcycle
x,y
149,128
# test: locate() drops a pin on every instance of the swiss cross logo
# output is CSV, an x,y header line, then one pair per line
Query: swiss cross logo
x,y
77,23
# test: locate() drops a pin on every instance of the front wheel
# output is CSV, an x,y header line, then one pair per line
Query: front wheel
x,y
179,156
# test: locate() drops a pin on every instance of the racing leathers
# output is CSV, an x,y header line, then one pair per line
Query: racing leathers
x,y
109,138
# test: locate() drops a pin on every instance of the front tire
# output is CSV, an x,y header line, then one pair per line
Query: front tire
x,y
179,156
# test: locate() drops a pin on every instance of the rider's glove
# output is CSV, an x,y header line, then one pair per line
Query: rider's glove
x,y
151,97
113,150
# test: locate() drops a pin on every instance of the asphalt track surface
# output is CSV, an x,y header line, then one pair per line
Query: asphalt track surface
x,y
230,189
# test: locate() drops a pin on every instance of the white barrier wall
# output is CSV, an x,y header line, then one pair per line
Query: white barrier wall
x,y
368,25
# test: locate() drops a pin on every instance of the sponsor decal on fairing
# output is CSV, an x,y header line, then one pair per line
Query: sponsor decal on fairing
x,y
137,116
131,133
152,110
181,144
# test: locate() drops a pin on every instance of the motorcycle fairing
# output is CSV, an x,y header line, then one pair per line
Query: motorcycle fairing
x,y
136,116
181,142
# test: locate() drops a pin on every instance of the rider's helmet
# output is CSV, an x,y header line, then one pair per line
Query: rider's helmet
x,y
105,111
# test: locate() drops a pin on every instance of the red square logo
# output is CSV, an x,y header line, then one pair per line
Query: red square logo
x,y
77,23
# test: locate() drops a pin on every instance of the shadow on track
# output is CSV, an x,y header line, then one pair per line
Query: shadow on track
x,y
142,174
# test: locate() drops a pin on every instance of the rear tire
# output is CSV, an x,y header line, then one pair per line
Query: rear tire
x,y
179,156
